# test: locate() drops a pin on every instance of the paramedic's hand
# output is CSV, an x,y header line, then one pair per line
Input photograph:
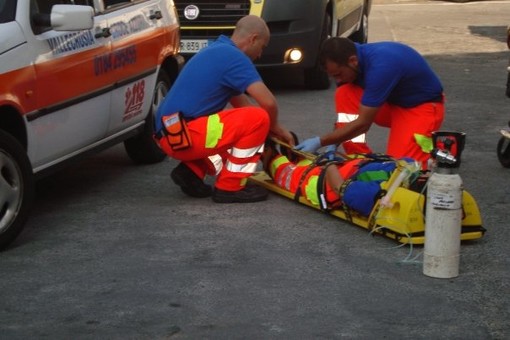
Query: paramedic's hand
x,y
282,134
310,145
330,151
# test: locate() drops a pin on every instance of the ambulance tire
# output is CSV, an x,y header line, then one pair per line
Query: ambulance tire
x,y
17,188
503,151
142,149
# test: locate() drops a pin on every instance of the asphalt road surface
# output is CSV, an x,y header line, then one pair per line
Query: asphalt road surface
x,y
116,251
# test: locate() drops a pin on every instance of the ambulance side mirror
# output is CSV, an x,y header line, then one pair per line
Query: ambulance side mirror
x,y
71,17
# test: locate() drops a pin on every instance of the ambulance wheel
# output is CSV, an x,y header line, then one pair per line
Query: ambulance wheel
x,y
16,188
142,149
503,151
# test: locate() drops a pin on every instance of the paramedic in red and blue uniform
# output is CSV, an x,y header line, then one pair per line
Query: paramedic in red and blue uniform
x,y
225,142
386,83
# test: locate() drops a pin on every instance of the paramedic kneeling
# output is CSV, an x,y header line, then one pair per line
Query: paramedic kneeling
x,y
194,126
386,83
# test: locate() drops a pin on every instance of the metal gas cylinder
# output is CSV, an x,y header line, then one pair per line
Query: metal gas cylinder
x,y
443,216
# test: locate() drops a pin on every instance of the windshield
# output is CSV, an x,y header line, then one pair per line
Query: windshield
x,y
7,10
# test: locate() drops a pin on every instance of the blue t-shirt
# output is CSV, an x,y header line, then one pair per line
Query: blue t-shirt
x,y
209,80
395,73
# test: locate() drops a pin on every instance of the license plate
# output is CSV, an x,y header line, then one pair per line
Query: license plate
x,y
193,46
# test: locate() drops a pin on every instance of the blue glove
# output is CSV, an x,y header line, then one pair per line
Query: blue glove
x,y
309,145
330,151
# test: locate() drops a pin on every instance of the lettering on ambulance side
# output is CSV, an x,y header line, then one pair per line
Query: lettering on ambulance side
x,y
113,60
122,28
65,56
125,56
133,101
133,61
71,42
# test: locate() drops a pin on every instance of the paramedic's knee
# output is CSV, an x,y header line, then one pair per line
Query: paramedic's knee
x,y
254,121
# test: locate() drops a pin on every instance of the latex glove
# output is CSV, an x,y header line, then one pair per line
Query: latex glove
x,y
309,145
330,151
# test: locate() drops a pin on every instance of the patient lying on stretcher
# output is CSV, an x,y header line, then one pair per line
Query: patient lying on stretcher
x,y
354,183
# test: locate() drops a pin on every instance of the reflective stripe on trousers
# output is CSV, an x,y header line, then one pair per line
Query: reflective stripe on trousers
x,y
344,118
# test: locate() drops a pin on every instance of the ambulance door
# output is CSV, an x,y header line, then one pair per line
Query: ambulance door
x,y
138,38
72,95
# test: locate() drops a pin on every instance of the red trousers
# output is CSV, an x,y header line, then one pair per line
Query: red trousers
x,y
227,144
404,123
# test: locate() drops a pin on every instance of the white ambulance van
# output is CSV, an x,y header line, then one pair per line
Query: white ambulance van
x,y
77,76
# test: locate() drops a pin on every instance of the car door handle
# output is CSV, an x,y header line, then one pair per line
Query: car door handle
x,y
156,15
104,33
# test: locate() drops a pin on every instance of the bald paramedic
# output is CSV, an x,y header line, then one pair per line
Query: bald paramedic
x,y
386,83
217,116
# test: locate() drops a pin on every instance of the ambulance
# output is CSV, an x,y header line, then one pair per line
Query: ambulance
x,y
78,76
298,28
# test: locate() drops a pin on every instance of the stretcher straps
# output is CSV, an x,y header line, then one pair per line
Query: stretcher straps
x,y
321,188
345,208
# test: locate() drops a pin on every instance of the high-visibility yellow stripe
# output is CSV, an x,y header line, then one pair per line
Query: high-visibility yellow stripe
x,y
424,142
275,163
311,190
304,162
214,131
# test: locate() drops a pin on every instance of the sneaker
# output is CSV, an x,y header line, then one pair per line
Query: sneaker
x,y
250,193
189,182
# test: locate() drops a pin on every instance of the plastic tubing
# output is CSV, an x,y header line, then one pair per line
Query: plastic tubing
x,y
405,171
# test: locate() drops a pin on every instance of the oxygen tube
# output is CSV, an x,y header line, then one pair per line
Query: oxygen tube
x,y
406,170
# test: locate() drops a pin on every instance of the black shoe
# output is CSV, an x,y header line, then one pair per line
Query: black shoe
x,y
189,182
250,193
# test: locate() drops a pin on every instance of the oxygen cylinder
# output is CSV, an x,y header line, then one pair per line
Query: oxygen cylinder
x,y
444,208
443,225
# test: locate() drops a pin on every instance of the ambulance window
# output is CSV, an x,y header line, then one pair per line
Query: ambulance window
x,y
108,4
7,10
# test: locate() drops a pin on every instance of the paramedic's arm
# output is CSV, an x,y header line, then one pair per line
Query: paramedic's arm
x,y
353,129
266,100
240,101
